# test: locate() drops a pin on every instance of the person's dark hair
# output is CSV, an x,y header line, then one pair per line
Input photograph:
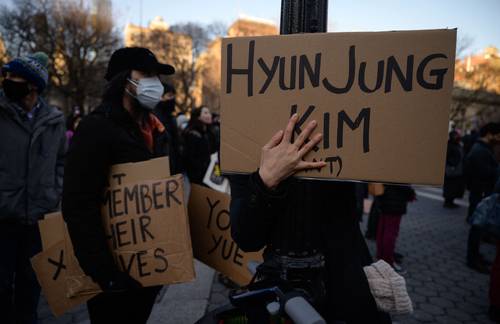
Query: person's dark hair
x,y
194,122
452,136
490,128
168,88
113,92
70,122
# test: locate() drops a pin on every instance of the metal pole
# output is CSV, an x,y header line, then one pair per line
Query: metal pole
x,y
303,16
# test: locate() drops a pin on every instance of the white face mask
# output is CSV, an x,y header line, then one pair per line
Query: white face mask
x,y
149,91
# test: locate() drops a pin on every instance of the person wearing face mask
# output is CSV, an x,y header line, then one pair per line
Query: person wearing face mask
x,y
481,169
32,148
199,144
121,129
165,112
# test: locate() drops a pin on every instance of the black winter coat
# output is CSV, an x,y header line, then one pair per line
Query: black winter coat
x,y
198,146
481,168
309,215
395,199
454,183
107,136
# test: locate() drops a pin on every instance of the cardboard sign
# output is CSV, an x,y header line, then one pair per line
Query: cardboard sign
x,y
211,235
52,264
148,230
158,168
381,101
145,219
51,268
51,229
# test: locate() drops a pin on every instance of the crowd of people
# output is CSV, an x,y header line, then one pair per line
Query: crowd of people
x,y
49,163
46,159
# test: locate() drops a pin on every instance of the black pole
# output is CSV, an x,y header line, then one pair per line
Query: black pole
x,y
303,16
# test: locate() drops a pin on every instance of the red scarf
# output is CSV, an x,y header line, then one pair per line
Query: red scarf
x,y
148,128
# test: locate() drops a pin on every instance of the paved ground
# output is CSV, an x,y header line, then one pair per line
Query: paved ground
x,y
433,240
176,304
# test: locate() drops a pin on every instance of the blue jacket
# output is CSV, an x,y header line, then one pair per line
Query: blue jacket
x,y
31,162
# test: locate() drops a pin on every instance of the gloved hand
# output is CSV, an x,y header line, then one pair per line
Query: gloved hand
x,y
120,281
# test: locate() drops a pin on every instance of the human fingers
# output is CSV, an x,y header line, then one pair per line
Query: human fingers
x,y
304,135
275,140
304,165
290,127
309,145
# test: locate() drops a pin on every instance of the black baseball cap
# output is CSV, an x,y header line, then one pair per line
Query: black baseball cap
x,y
136,58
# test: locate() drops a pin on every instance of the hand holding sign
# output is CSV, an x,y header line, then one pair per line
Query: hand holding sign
x,y
281,158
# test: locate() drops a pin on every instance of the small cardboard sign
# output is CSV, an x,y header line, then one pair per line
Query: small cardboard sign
x,y
211,235
52,229
56,265
51,269
381,100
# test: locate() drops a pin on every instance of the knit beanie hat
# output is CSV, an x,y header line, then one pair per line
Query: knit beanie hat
x,y
33,68
388,288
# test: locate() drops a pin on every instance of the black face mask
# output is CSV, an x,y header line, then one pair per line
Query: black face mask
x,y
14,90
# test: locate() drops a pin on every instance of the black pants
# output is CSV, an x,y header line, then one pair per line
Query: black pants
x,y
371,229
19,288
131,307
474,239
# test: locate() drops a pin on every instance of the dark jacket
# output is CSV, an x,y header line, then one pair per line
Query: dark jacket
x,y
454,183
481,168
31,162
198,146
107,136
303,216
395,199
165,113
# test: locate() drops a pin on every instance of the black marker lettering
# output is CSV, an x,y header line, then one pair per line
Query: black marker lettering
x,y
364,116
305,66
301,121
119,233
238,258
116,202
211,212
269,72
438,73
127,267
131,195
144,222
59,265
220,224
393,66
350,80
293,73
160,255
141,264
216,242
248,71
118,177
170,190
362,76
157,193
227,254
